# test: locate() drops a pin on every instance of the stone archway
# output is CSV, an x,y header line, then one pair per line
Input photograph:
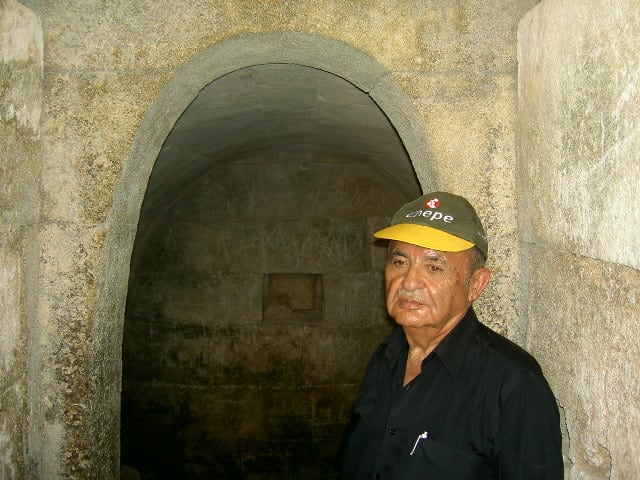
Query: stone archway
x,y
218,60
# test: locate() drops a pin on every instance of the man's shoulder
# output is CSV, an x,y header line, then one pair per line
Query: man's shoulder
x,y
506,353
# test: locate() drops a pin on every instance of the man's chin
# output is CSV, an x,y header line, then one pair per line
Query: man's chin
x,y
412,322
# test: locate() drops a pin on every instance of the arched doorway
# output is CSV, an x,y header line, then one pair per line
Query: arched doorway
x,y
255,294
323,55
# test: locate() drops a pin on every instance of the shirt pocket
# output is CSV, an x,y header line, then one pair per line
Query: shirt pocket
x,y
437,460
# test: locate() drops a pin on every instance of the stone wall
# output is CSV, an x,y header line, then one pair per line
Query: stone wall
x,y
20,107
579,172
117,76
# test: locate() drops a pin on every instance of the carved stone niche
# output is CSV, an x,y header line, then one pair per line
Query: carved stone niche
x,y
292,297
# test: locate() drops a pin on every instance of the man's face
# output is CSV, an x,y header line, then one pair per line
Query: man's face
x,y
426,288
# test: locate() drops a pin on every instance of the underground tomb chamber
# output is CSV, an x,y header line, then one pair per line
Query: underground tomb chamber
x,y
255,294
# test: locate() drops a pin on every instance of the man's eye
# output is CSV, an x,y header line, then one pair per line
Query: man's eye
x,y
434,268
398,262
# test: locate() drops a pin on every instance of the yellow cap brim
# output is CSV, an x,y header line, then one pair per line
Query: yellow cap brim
x,y
424,236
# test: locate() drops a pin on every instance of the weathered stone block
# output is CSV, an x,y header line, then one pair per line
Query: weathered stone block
x,y
90,121
354,300
582,316
579,123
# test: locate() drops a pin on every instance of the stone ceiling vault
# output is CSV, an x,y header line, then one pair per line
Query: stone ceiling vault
x,y
268,109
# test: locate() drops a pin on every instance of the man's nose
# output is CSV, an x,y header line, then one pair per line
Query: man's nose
x,y
412,279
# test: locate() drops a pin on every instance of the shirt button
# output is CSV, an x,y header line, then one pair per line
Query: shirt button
x,y
375,476
392,431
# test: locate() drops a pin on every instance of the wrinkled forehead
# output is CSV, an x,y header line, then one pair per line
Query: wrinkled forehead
x,y
397,247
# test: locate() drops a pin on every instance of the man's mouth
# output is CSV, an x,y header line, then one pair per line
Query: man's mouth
x,y
410,303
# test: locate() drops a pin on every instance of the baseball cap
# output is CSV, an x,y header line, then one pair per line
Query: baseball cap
x,y
439,221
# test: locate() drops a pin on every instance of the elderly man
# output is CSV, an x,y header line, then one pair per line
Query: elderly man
x,y
444,397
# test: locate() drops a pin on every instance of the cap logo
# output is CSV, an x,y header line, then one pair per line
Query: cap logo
x,y
432,203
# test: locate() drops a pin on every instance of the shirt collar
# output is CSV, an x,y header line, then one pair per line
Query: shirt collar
x,y
451,350
396,345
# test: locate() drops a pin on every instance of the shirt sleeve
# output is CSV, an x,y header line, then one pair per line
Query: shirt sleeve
x,y
529,443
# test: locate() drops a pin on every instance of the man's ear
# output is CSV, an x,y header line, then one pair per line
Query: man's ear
x,y
477,283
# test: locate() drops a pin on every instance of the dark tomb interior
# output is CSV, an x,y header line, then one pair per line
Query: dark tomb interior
x,y
256,291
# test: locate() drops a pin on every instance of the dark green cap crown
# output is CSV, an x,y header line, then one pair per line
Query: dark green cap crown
x,y
440,221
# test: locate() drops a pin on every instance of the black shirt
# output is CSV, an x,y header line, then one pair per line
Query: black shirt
x,y
480,409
